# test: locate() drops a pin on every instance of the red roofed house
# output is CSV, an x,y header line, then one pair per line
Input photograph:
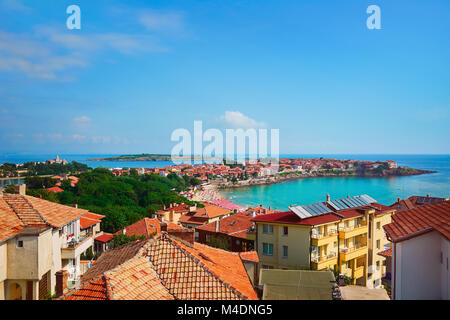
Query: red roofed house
x,y
148,227
167,267
231,233
200,216
40,246
421,252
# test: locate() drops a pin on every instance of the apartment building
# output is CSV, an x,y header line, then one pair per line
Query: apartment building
x,y
345,235
40,246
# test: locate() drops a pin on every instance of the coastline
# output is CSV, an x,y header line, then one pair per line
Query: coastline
x,y
275,179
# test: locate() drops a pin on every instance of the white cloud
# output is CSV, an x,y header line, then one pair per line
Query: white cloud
x,y
14,5
82,120
48,52
171,21
236,119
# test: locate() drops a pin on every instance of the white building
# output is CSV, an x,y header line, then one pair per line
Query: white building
x,y
40,247
420,252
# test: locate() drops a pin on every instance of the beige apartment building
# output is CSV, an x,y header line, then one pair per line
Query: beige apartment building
x,y
344,235
40,246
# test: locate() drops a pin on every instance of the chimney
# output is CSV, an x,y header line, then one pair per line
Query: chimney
x,y
124,231
348,197
183,235
21,189
61,282
428,195
398,200
217,225
170,205
328,197
269,208
75,205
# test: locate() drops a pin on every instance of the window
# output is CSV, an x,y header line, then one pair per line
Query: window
x,y
285,231
268,249
267,228
335,244
19,243
378,225
378,244
347,264
265,266
285,251
384,262
378,265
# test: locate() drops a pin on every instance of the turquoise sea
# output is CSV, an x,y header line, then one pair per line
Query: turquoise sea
x,y
308,190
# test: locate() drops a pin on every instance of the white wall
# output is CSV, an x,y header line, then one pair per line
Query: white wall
x,y
419,273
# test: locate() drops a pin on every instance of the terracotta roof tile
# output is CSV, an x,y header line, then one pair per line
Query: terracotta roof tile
x,y
55,214
166,268
409,223
105,237
249,255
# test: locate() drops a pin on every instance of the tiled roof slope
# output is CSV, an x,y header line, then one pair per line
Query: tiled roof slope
x,y
414,201
235,225
166,268
55,214
226,277
409,223
91,290
113,258
28,215
136,280
147,227
10,224
250,256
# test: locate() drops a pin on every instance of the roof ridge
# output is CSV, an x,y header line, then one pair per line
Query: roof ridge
x,y
165,237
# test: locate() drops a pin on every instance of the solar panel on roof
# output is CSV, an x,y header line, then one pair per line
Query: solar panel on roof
x,y
324,207
300,212
352,202
310,210
317,208
346,202
367,198
342,203
359,201
333,205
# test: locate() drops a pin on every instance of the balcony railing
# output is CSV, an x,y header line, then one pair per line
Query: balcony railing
x,y
73,243
356,226
331,232
323,258
351,249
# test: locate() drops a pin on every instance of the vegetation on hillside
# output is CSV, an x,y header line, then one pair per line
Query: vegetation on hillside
x,y
123,200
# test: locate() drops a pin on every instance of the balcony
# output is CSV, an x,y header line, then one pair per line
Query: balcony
x,y
347,254
349,232
358,272
74,248
324,262
321,239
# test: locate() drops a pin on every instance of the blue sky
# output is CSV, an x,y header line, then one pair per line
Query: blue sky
x,y
137,70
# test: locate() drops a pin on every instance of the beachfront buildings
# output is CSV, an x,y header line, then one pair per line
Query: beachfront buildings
x,y
344,235
174,212
420,252
40,246
230,233
200,216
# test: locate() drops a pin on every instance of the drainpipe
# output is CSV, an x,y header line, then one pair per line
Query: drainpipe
x,y
310,246
394,256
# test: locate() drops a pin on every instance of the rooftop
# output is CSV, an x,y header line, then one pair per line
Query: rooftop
x,y
424,218
18,212
165,267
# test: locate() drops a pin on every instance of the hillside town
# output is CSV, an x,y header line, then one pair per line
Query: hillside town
x,y
349,248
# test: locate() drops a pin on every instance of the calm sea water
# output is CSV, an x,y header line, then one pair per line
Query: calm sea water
x,y
384,190
309,190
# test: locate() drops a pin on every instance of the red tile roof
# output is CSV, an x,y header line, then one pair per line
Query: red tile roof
x,y
416,221
55,189
148,227
86,222
166,268
386,253
105,237
236,225
249,255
